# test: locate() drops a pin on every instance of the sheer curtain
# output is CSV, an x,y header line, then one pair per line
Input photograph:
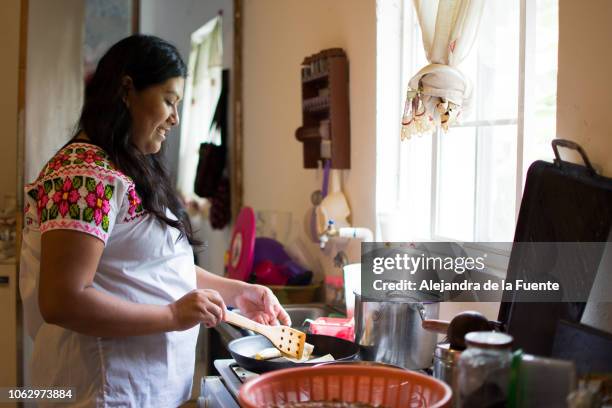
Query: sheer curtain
x,y
202,91
439,91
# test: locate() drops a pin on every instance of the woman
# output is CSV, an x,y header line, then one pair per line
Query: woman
x,y
112,298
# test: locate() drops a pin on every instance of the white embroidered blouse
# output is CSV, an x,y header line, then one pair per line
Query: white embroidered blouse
x,y
143,262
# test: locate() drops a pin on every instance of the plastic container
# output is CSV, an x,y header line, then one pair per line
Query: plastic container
x,y
340,327
377,386
352,284
539,381
267,273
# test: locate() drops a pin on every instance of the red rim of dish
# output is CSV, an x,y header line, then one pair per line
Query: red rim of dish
x,y
244,230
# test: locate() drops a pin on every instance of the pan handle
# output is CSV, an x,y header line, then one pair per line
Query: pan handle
x,y
435,325
573,146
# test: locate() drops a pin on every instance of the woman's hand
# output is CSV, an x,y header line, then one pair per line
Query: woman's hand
x,y
198,306
258,303
254,301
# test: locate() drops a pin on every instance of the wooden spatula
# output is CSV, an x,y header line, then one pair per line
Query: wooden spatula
x,y
289,341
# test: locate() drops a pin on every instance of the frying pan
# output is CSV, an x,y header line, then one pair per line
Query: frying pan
x,y
243,350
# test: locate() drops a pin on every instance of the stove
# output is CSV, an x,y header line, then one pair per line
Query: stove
x,y
222,391
233,375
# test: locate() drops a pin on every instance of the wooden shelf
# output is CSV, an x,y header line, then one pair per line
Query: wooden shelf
x,y
306,133
318,103
325,108
315,77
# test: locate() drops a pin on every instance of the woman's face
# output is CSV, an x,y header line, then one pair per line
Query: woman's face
x,y
154,111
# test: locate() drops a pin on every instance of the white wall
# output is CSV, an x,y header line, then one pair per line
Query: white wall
x,y
175,21
277,37
584,95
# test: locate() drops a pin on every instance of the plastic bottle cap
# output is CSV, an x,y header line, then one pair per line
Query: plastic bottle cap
x,y
488,339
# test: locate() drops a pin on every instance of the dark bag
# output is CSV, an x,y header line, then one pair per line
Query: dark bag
x,y
220,209
211,163
210,169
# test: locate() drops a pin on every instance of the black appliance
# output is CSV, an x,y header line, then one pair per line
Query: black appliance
x,y
562,202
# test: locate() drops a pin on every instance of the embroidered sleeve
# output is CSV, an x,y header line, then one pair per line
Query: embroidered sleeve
x,y
134,205
82,192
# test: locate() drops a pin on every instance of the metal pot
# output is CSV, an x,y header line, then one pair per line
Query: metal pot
x,y
445,361
390,331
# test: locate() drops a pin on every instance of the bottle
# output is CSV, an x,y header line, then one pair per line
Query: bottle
x,y
483,370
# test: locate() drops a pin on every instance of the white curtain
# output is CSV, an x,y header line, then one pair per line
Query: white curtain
x,y
202,92
439,92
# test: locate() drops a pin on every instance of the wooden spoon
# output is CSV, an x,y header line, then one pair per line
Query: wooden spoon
x,y
289,341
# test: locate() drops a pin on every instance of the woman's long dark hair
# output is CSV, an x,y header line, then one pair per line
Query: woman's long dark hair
x,y
106,121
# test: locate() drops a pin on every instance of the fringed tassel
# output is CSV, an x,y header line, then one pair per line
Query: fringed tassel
x,y
423,113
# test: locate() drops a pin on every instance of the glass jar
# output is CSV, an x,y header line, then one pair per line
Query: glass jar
x,y
483,371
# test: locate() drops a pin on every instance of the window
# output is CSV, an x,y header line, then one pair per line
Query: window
x,y
466,184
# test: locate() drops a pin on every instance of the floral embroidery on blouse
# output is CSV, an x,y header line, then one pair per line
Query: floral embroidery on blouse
x,y
90,155
78,155
66,196
88,201
76,190
135,202
60,160
98,204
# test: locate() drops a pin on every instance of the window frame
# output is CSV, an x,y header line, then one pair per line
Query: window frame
x,y
526,48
